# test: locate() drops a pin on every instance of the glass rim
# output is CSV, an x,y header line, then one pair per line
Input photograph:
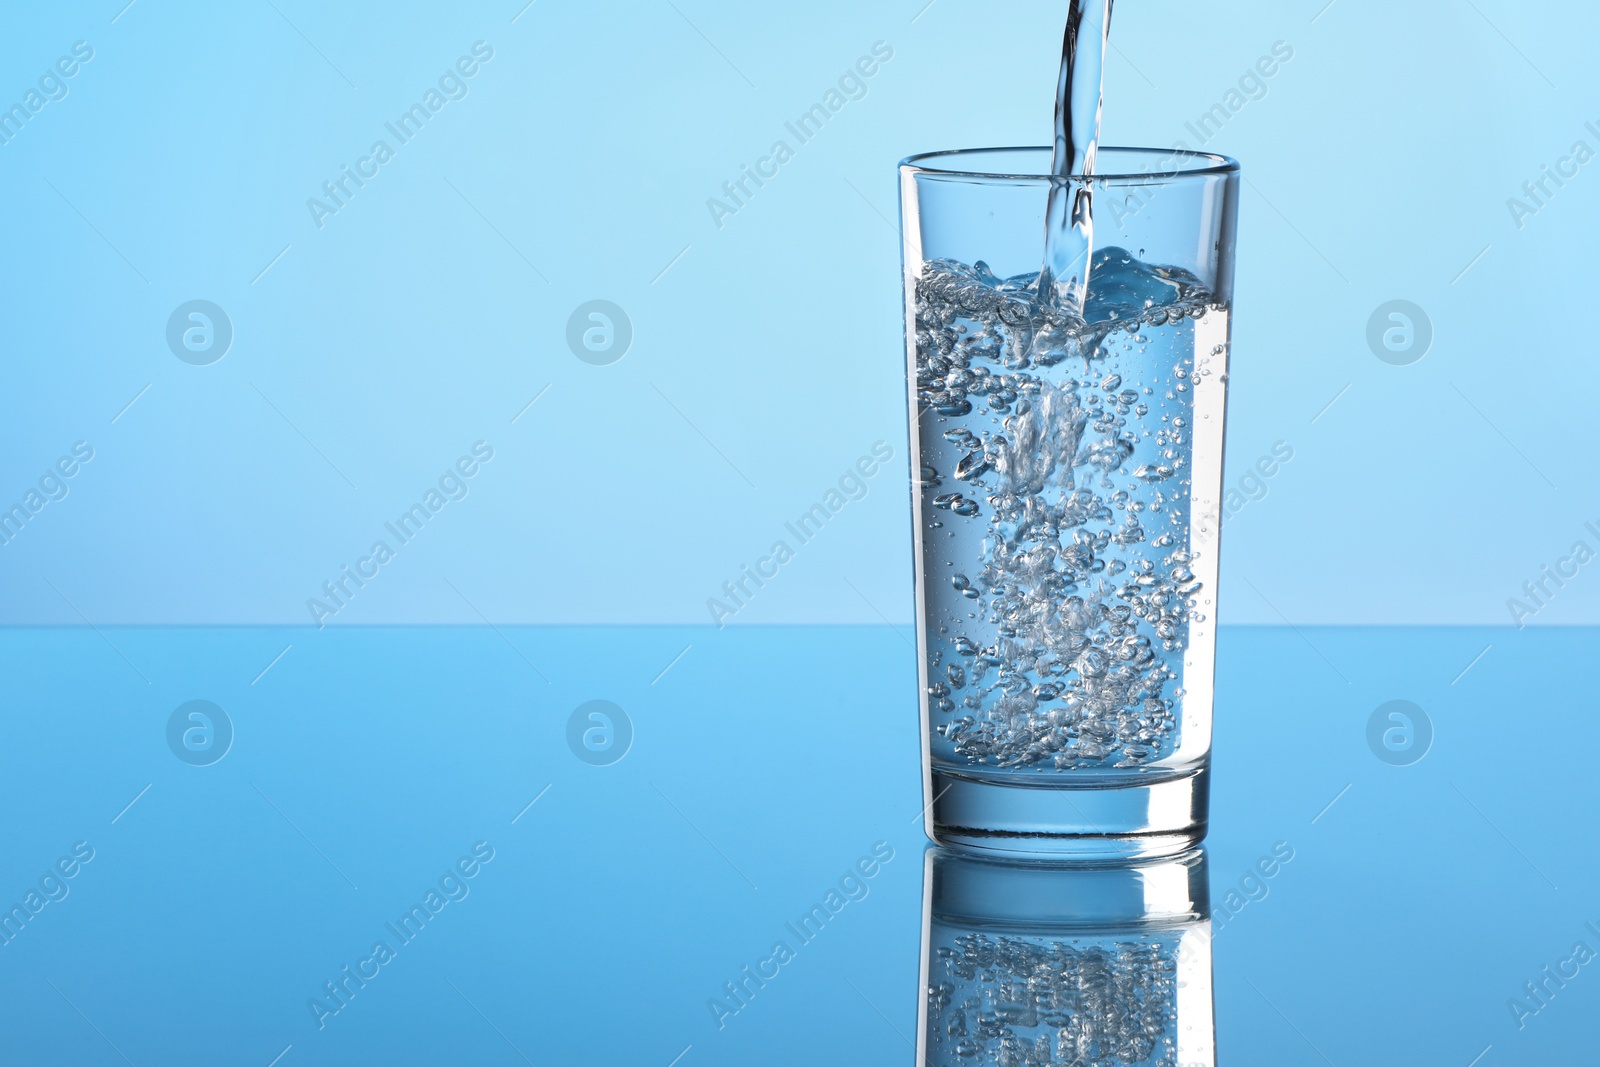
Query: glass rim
x,y
1211,164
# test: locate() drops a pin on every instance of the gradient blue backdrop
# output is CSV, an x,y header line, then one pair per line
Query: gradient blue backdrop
x,y
372,352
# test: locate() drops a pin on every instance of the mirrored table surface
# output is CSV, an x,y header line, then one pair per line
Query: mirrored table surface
x,y
677,847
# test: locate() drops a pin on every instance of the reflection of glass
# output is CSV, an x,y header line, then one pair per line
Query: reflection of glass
x,y
1027,964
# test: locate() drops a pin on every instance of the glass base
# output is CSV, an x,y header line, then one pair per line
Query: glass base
x,y
1110,818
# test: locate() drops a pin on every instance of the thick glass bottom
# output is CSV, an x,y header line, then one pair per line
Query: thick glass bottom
x,y
1106,817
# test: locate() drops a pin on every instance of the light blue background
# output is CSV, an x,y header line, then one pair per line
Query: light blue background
x,y
767,358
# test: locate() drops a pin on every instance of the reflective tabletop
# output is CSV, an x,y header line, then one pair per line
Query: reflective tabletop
x,y
659,846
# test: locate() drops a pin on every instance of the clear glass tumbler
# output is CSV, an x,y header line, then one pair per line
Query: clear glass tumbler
x,y
1032,963
1067,498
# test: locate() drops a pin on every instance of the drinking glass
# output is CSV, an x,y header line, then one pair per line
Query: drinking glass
x,y
1037,963
1068,467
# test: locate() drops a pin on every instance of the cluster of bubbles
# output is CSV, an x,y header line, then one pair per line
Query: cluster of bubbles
x,y
1055,486
1015,1002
